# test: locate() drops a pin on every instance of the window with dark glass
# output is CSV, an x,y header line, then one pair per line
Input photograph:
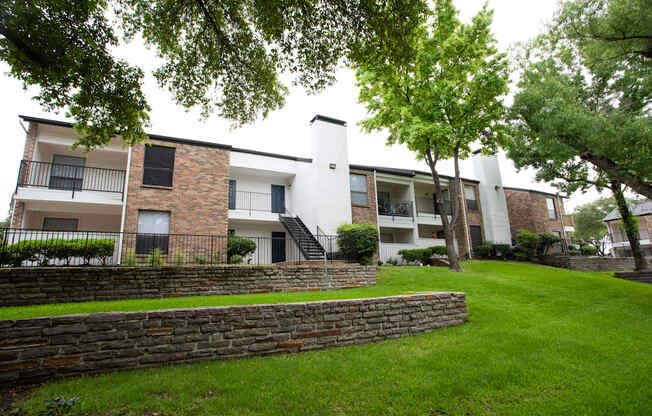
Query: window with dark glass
x,y
67,172
60,224
359,189
158,166
153,231
469,195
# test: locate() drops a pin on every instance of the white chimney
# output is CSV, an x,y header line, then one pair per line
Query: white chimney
x,y
492,198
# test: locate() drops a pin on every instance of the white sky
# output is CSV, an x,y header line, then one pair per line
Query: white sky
x,y
286,130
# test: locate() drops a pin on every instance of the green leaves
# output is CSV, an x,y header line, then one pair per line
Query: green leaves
x,y
580,114
224,56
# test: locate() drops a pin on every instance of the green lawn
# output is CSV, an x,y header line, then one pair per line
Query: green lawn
x,y
539,341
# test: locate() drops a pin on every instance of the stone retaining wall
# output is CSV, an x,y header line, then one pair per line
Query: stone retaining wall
x,y
35,350
590,264
39,285
643,277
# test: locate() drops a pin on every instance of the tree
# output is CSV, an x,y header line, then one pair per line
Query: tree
x,y
443,97
589,226
222,55
585,88
630,224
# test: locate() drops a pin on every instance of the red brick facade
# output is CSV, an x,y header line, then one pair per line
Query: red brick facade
x,y
198,198
528,210
473,218
368,213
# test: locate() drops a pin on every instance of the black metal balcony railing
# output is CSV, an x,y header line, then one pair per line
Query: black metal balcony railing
x,y
395,209
70,177
426,206
255,202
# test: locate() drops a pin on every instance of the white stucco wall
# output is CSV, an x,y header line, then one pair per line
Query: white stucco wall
x,y
492,198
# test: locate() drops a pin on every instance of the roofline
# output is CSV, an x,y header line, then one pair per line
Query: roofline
x,y
328,120
275,155
619,218
177,140
510,188
404,172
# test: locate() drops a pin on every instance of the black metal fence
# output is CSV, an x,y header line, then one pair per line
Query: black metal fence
x,y
20,247
70,177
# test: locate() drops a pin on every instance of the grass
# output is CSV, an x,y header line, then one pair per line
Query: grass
x,y
539,341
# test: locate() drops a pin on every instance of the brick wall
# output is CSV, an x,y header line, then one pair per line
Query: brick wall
x,y
28,154
35,350
472,218
39,285
366,214
590,264
527,210
198,198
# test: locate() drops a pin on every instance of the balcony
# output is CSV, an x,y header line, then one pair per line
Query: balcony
x,y
255,205
59,182
395,213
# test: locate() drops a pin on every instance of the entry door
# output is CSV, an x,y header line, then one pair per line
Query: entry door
x,y
67,172
278,199
476,236
278,247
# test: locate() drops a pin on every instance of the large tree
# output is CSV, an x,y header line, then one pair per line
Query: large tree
x,y
222,55
445,97
585,88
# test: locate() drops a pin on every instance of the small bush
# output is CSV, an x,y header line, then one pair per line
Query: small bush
x,y
235,259
392,261
179,259
490,250
42,252
200,260
358,242
588,251
526,245
439,250
59,406
239,246
546,241
130,259
155,259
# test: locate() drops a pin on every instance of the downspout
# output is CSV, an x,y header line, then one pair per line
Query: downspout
x,y
377,225
467,231
124,204
564,244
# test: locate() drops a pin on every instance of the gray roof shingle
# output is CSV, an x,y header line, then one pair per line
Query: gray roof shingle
x,y
640,207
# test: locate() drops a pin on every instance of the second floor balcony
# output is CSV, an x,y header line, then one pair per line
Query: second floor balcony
x,y
67,181
256,205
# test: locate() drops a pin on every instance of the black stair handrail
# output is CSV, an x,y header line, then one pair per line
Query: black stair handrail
x,y
301,240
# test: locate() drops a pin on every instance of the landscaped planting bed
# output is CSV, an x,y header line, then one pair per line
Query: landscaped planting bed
x,y
539,340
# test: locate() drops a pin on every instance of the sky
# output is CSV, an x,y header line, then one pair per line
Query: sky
x,y
284,131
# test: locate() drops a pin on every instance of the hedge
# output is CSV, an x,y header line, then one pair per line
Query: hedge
x,y
422,255
239,247
43,252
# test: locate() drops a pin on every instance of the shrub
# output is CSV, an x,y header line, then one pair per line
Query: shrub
x,y
239,246
439,250
485,251
130,259
44,251
588,251
392,261
358,242
526,245
489,250
155,259
235,259
179,259
546,241
200,260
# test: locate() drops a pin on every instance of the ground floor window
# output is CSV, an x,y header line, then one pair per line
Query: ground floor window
x,y
153,231
60,224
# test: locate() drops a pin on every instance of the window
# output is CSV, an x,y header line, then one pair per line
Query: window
x,y
359,189
232,193
231,233
552,214
159,166
60,224
67,172
469,195
386,237
153,231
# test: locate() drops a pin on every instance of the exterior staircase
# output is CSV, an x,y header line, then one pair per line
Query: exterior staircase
x,y
308,244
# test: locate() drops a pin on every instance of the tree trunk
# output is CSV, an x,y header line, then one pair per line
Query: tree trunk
x,y
630,225
453,260
621,175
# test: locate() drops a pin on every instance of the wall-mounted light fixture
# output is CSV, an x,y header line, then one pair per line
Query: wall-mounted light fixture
x,y
331,165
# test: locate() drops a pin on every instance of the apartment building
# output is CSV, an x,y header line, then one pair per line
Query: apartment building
x,y
538,212
642,210
154,194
